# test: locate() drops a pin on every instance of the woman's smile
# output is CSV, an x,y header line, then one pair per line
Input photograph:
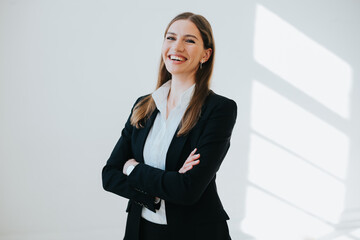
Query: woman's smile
x,y
177,59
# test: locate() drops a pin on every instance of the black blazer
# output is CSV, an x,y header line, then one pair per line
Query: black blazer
x,y
191,198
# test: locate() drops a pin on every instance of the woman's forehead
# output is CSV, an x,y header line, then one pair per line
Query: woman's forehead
x,y
184,27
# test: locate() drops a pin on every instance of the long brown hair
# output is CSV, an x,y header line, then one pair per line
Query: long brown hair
x,y
143,110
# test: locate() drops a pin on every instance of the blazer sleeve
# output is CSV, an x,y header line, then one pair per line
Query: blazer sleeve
x,y
113,178
187,188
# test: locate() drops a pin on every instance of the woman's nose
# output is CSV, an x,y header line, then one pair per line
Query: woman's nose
x,y
178,46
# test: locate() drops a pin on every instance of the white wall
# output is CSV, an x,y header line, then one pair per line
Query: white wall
x,y
71,70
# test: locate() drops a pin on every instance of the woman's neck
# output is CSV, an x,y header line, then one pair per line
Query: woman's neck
x,y
178,86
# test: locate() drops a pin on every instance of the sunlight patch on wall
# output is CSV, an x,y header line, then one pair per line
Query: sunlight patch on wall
x,y
356,233
299,131
343,238
269,218
284,175
302,62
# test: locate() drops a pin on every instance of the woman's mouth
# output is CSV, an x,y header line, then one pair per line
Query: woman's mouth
x,y
177,58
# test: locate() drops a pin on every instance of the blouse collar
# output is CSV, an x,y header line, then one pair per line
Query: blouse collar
x,y
161,94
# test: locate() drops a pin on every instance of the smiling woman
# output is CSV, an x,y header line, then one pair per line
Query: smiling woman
x,y
156,162
183,49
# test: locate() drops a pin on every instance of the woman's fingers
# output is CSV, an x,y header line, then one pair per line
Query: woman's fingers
x,y
192,158
191,161
189,166
193,151
195,162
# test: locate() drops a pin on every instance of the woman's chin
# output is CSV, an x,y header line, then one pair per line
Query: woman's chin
x,y
176,71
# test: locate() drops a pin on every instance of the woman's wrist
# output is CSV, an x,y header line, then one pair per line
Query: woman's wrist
x,y
129,169
129,166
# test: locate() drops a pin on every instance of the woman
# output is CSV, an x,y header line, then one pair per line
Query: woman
x,y
156,163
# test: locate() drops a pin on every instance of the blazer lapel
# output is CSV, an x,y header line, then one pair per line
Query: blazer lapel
x,y
143,133
177,143
174,151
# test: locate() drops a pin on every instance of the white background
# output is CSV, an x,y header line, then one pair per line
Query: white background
x,y
70,71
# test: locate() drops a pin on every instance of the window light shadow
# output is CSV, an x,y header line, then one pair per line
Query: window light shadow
x,y
299,141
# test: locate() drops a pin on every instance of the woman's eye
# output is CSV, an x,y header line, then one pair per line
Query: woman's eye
x,y
190,41
170,38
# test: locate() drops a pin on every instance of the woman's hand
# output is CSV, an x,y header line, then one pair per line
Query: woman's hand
x,y
129,162
191,161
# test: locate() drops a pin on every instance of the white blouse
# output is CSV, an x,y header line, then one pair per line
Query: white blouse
x,y
160,136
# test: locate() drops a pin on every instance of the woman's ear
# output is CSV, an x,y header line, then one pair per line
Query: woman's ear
x,y
207,55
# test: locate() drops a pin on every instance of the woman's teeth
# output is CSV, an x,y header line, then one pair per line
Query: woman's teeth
x,y
177,58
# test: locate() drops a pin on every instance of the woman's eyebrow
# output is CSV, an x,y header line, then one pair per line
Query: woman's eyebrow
x,y
186,35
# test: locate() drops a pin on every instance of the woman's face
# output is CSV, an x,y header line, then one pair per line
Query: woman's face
x,y
183,49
